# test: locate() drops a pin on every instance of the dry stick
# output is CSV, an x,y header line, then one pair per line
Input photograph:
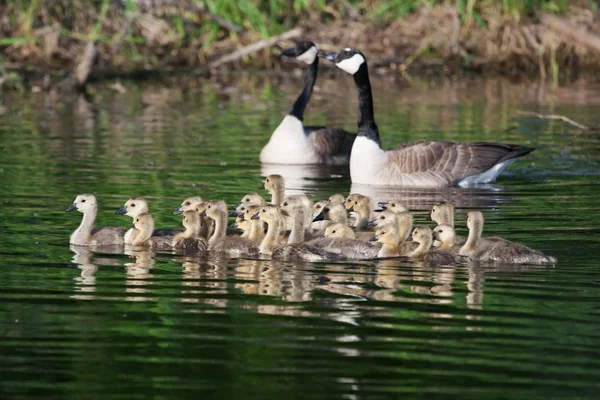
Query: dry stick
x,y
553,116
254,47
579,35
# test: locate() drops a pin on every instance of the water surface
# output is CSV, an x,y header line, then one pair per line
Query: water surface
x,y
77,323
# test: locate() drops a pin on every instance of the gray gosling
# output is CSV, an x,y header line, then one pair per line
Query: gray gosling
x,y
498,249
86,234
190,241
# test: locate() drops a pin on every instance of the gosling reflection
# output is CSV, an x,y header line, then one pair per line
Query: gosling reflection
x,y
204,277
138,273
86,282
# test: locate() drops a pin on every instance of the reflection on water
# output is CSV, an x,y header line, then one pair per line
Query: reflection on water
x,y
164,325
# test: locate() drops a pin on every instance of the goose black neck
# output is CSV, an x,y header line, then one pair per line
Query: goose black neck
x,y
366,117
309,82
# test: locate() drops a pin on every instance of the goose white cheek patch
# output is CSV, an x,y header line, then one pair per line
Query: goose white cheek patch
x,y
309,55
352,64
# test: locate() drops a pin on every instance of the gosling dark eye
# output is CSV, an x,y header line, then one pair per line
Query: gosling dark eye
x,y
208,206
83,201
433,209
356,202
248,199
285,204
268,180
382,233
187,203
264,210
333,231
383,217
133,205
318,206
393,205
441,231
137,220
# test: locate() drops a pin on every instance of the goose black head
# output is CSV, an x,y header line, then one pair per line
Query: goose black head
x,y
348,60
305,51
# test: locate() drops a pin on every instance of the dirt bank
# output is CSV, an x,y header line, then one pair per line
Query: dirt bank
x,y
51,43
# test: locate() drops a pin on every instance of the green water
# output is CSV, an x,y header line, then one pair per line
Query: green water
x,y
78,324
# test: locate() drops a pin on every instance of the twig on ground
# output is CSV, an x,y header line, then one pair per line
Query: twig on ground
x,y
124,31
254,47
554,116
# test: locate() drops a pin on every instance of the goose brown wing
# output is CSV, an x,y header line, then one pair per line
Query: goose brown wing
x,y
332,142
458,160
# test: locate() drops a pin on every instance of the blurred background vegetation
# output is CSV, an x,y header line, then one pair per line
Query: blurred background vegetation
x,y
502,35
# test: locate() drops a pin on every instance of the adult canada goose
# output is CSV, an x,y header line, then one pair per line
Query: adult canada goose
x,y
236,246
86,234
294,143
424,237
498,249
421,164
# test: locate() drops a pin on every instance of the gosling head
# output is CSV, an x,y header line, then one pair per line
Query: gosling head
x,y
304,51
339,231
387,235
422,235
83,203
444,234
319,206
143,222
249,212
272,183
241,224
442,213
386,217
213,209
337,198
475,220
134,207
269,213
348,60
392,205
292,205
352,200
188,204
248,200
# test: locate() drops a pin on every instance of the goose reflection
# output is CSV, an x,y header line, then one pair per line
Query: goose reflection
x,y
302,178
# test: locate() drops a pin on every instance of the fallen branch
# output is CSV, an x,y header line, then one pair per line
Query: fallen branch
x,y
254,47
124,32
561,26
554,116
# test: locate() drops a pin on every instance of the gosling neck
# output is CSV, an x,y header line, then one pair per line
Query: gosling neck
x,y
362,219
297,233
257,231
388,250
84,231
404,229
423,248
220,229
474,235
277,194
448,244
270,238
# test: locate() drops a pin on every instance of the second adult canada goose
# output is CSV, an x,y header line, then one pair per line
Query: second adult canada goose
x,y
294,143
420,164
498,249
86,234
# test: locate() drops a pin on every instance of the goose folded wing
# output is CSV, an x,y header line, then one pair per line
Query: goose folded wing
x,y
331,141
457,159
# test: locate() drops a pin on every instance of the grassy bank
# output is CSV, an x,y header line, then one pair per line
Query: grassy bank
x,y
507,36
